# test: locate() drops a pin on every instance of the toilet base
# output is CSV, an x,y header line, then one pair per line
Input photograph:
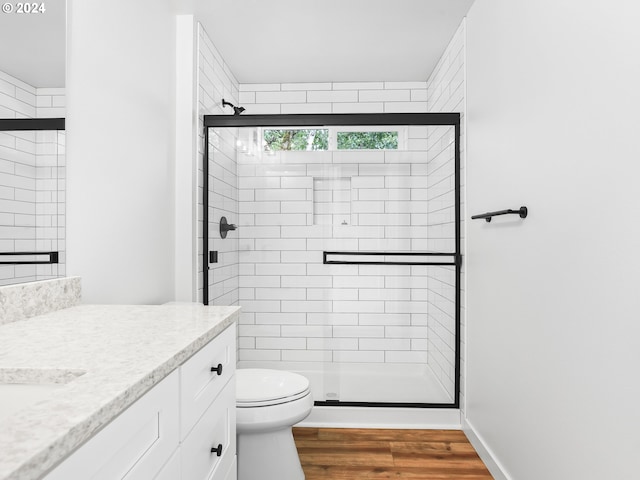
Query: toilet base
x,y
270,455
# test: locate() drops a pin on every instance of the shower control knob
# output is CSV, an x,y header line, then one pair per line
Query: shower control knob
x,y
217,450
226,227
217,369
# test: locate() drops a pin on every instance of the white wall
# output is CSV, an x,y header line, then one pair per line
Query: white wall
x,y
187,157
553,327
120,123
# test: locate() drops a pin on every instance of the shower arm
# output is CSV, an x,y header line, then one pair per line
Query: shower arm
x,y
236,110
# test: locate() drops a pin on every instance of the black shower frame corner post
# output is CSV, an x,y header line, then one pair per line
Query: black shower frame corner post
x,y
205,218
348,119
458,261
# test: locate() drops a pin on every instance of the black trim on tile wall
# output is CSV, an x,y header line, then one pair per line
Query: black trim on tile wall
x,y
350,119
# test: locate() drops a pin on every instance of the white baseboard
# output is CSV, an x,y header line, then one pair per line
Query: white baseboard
x,y
485,453
382,417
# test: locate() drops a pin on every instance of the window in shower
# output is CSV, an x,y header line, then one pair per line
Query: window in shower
x,y
333,138
295,139
369,138
346,262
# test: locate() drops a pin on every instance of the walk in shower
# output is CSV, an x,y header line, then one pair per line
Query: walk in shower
x,y
342,246
32,199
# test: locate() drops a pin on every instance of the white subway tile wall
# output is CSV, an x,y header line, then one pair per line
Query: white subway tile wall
x,y
50,103
446,93
334,97
292,209
215,82
51,200
32,181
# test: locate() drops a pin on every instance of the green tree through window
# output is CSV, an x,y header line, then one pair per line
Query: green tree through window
x,y
367,140
318,139
296,139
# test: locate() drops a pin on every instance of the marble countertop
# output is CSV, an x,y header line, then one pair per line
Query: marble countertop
x,y
104,358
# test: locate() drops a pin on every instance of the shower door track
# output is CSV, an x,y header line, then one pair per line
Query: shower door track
x,y
347,119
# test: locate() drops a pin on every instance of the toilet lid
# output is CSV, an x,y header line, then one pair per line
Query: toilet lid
x,y
257,385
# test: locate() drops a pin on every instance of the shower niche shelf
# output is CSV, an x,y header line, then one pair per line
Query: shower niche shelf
x,y
332,201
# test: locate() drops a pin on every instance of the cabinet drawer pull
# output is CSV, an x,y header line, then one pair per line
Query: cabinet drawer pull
x,y
217,369
217,450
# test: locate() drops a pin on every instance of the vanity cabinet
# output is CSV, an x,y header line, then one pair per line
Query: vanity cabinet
x,y
133,446
184,428
208,410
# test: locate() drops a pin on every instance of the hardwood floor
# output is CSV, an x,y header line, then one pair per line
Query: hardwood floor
x,y
354,454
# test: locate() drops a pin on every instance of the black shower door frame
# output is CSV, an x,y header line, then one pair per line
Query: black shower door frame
x,y
348,119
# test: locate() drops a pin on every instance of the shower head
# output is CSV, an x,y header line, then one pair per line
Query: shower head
x,y
236,110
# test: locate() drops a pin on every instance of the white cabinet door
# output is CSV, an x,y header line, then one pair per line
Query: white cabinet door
x,y
210,448
204,376
135,445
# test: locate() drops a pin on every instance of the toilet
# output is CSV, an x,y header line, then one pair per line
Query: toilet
x,y
268,404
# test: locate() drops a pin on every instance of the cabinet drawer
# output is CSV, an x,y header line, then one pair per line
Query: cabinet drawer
x,y
133,446
200,385
216,427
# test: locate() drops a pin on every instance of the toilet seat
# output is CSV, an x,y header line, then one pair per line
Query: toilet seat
x,y
262,387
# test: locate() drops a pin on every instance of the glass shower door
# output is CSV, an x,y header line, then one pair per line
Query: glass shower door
x,y
346,255
32,200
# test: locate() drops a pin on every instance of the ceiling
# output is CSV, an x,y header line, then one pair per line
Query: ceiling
x,y
277,41
272,41
32,46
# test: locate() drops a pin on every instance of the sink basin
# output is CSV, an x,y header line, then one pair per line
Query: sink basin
x,y
21,388
16,396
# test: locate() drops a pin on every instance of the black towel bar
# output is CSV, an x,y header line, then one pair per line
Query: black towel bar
x,y
522,211
53,258
388,258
